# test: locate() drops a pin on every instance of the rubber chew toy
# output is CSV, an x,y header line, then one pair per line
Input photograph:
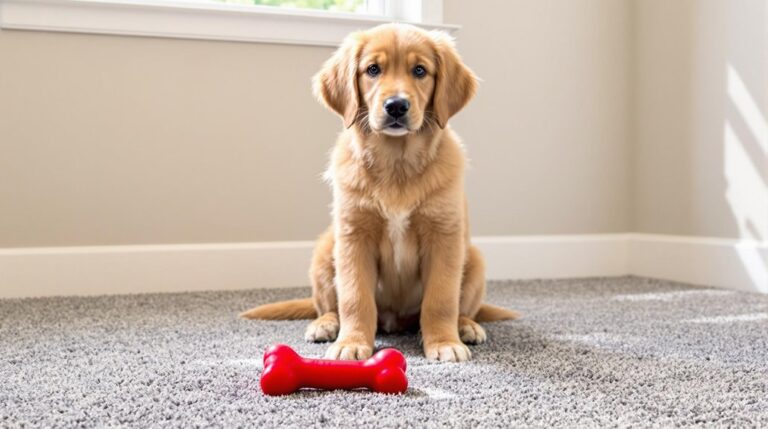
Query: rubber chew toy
x,y
286,372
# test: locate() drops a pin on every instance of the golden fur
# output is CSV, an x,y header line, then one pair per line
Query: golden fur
x,y
397,253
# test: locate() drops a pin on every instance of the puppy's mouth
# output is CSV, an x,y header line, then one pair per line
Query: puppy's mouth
x,y
395,127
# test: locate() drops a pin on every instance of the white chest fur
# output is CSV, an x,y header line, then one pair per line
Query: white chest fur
x,y
397,227
399,291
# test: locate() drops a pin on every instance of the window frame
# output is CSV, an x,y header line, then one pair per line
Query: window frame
x,y
185,19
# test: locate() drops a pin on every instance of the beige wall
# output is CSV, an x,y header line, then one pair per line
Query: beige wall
x,y
701,148
121,140
593,116
548,134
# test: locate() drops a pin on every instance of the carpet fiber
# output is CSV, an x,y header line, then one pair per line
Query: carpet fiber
x,y
610,352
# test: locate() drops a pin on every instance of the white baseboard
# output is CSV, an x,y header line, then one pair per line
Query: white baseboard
x,y
726,263
553,256
98,270
93,270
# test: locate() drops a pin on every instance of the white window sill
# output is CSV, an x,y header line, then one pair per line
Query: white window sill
x,y
189,20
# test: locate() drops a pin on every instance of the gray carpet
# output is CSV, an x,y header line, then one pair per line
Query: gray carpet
x,y
596,352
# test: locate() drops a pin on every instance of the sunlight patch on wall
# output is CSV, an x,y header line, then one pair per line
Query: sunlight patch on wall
x,y
747,191
748,109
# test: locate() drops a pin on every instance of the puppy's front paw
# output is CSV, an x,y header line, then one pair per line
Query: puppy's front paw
x,y
447,351
349,350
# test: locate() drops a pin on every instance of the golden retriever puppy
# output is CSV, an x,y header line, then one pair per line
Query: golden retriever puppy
x,y
397,253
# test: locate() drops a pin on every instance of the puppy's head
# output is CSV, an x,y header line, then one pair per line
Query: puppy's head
x,y
395,79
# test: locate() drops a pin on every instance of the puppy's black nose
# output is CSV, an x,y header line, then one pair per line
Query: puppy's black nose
x,y
396,107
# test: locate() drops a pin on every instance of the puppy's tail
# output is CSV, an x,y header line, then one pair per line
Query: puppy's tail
x,y
304,308
284,310
492,313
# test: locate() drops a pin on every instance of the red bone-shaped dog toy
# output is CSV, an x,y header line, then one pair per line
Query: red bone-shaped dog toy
x,y
286,372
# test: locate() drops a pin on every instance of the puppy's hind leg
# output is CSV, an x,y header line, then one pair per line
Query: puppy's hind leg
x,y
324,328
470,331
472,296
471,307
321,274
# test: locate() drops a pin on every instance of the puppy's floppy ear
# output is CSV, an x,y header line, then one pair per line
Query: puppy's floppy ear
x,y
335,85
455,83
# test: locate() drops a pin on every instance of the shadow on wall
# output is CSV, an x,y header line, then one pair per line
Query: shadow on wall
x,y
745,133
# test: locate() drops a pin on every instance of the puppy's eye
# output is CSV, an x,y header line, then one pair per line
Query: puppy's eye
x,y
373,70
419,71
